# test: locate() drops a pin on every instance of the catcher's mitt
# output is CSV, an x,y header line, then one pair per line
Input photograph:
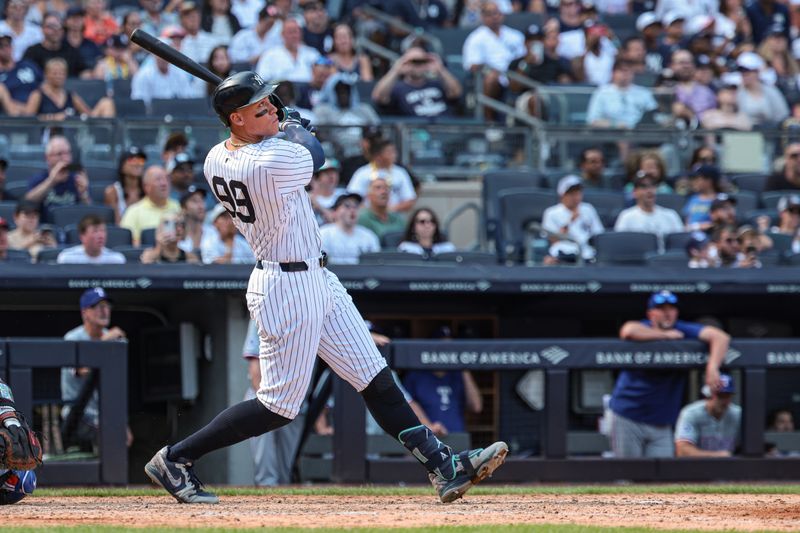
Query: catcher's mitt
x,y
19,446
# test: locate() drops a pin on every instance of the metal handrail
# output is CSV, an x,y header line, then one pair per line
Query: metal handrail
x,y
404,27
375,48
480,241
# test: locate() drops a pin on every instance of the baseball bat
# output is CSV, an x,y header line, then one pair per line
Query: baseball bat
x,y
174,57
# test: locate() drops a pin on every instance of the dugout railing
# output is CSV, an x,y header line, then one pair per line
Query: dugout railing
x,y
21,358
557,358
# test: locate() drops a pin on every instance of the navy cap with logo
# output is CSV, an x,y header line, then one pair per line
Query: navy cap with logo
x,y
706,171
92,297
181,158
192,189
662,298
722,200
347,196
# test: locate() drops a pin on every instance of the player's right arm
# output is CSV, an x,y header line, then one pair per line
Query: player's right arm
x,y
633,330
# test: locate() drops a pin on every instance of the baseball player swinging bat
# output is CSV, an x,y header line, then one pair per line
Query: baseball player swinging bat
x,y
174,57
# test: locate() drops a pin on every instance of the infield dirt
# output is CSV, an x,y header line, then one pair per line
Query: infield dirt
x,y
742,512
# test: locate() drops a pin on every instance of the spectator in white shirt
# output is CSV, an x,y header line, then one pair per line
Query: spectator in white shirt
x,y
154,18
620,104
344,240
423,236
572,218
23,34
225,245
161,80
597,61
92,249
383,155
292,61
250,43
646,216
197,44
324,190
493,46
246,11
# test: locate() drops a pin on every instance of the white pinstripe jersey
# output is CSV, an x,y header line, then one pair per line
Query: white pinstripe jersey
x,y
262,186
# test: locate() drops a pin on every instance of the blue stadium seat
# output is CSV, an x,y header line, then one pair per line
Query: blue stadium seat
x,y
607,203
90,90
148,237
675,258
7,211
390,258
492,184
180,107
781,242
97,192
671,200
677,241
127,108
749,182
770,199
624,247
745,201
522,20
17,189
101,174
517,208
49,255
391,239
72,214
21,173
18,256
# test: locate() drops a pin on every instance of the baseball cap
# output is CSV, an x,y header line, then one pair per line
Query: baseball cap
x,y
92,297
788,201
662,298
216,212
325,61
347,196
131,152
3,223
721,200
672,17
534,31
6,35
27,206
697,241
699,24
775,29
645,20
568,182
192,189
181,158
173,32
330,162
726,386
313,4
75,11
706,171
749,61
186,7
641,178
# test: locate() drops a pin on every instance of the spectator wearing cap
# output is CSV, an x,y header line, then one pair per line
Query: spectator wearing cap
x,y
217,19
620,104
710,427
316,28
572,40
249,43
789,177
3,239
96,321
383,157
197,43
292,61
646,216
762,103
343,239
22,32
344,55
491,48
542,64
700,251
752,242
423,235
705,186
28,235
722,211
645,403
162,80
19,79
54,102
155,17
100,24
691,97
789,219
726,114
53,45
74,24
118,62
765,13
774,49
596,63
648,24
572,217
376,215
727,249
170,232
309,94
181,175
62,183
127,190
673,37
148,212
324,190
417,85
193,211
92,249
223,244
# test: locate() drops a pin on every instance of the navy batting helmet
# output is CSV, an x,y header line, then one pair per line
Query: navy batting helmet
x,y
239,90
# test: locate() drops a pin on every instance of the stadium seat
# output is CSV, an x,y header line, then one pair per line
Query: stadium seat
x,y
391,239
522,20
751,217
668,258
49,255
770,199
127,108
18,256
132,254
90,90
781,243
517,208
148,237
97,192
467,258
72,214
17,189
608,204
452,41
7,211
671,200
745,201
121,88
390,258
22,173
115,236
180,107
101,173
492,184
624,247
749,182
677,241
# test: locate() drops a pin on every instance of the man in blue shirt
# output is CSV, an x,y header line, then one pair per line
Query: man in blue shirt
x,y
645,403
20,78
62,183
443,396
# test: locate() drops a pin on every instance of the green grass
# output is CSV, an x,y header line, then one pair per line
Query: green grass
x,y
541,528
383,490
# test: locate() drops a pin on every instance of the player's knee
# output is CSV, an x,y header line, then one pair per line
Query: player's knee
x,y
383,389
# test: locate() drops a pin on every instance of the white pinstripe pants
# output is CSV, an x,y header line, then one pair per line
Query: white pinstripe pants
x,y
300,315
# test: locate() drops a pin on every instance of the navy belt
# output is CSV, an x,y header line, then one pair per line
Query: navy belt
x,y
297,266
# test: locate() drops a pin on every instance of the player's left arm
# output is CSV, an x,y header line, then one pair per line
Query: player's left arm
x,y
300,132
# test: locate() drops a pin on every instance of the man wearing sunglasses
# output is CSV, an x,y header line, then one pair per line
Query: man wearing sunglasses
x,y
789,178
645,403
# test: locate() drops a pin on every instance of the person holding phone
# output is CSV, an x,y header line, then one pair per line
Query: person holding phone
x,y
417,85
63,183
169,233
28,235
